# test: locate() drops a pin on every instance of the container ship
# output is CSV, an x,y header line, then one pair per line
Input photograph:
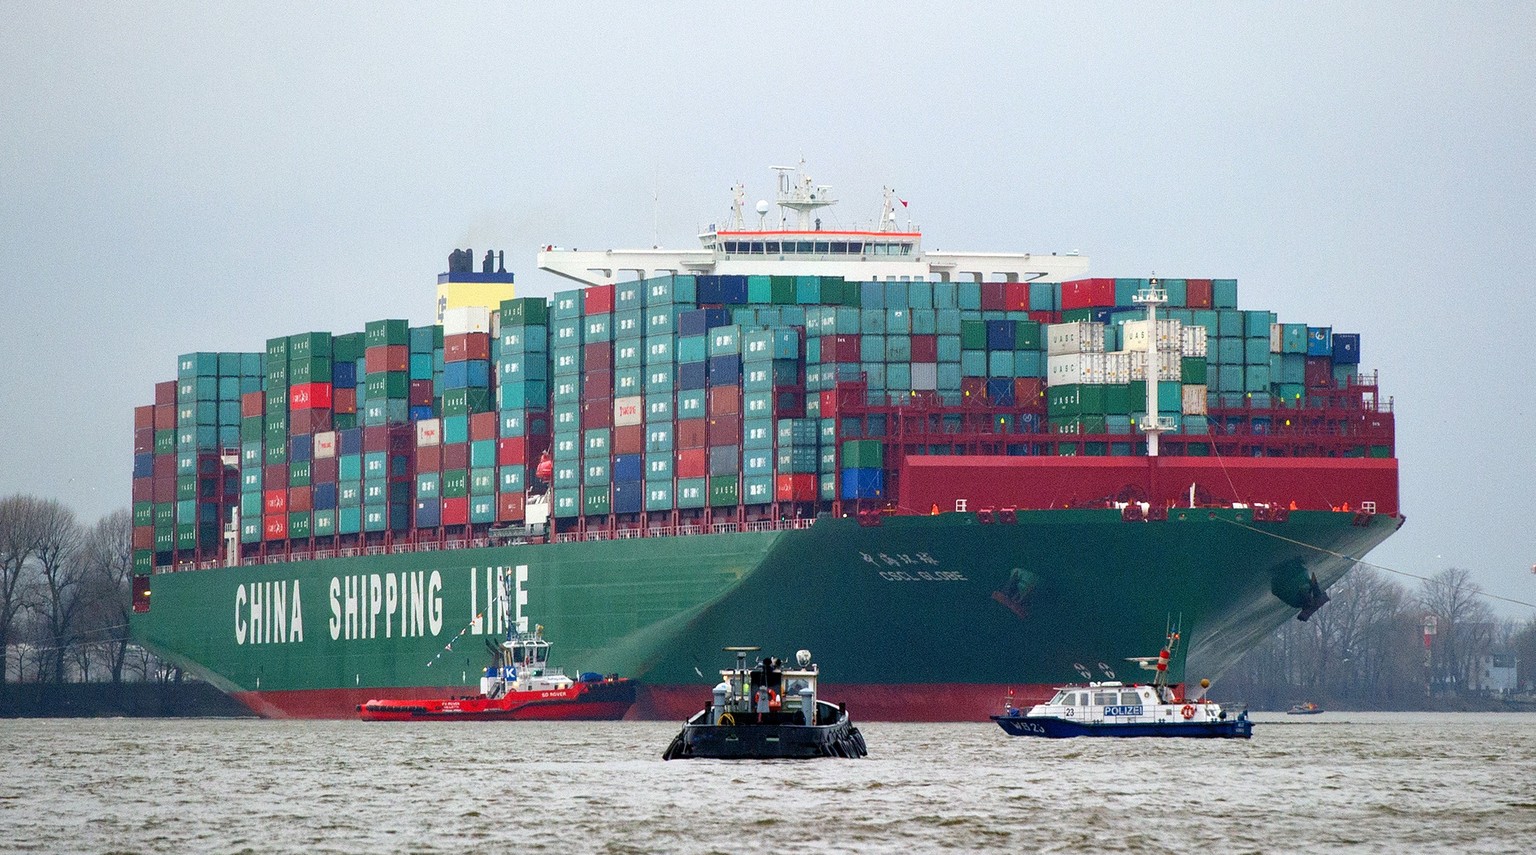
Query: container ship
x,y
949,474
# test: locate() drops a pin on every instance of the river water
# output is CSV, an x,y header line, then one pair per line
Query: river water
x,y
1387,782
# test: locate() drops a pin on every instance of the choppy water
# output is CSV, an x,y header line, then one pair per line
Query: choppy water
x,y
1337,782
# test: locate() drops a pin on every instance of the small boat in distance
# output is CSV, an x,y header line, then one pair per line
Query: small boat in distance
x,y
1305,708
519,685
768,712
1122,709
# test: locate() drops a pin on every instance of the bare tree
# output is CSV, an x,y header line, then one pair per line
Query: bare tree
x,y
60,577
107,557
1463,626
18,544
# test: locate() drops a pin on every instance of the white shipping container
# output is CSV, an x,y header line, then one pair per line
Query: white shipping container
x,y
1133,335
325,445
429,432
1075,337
1068,368
1117,367
1194,400
1276,337
1168,365
925,376
627,411
466,319
1194,341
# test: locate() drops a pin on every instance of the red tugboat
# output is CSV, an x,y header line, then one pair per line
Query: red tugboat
x,y
519,685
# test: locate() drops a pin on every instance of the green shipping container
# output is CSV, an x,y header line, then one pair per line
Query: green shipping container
x,y
724,491
382,333
863,454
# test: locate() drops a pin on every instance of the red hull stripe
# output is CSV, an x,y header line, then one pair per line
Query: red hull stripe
x,y
866,702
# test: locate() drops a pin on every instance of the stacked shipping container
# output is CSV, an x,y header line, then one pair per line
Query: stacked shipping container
x,y
685,399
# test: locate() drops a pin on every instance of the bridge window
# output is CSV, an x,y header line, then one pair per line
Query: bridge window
x,y
772,247
757,247
855,247
821,247
805,246
839,247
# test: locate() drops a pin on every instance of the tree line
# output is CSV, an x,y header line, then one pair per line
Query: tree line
x,y
65,596
1380,645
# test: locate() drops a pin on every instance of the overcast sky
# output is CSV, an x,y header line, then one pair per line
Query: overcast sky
x,y
177,177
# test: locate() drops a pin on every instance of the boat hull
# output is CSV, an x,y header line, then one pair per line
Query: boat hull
x,y
1050,727
1022,605
747,741
607,700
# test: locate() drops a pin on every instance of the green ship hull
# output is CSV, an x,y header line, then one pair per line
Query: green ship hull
x,y
928,618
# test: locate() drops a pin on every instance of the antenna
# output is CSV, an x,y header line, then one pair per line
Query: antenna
x,y
762,214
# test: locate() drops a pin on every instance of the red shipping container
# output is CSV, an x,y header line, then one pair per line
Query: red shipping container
x,y
597,383
925,348
994,296
165,468
275,501
165,417
401,438
1087,293
456,511
597,412
253,404
345,401
466,346
725,401
375,439
143,537
690,433
725,430
598,300
323,471
144,489
1045,317
163,491
512,451
387,357
144,417
1197,293
482,426
429,458
1015,296
144,441
300,499
309,396
973,388
275,527
420,393
509,507
1319,372
692,463
597,356
275,475
165,394
629,439
1029,391
455,455
795,488
845,349
828,403
308,422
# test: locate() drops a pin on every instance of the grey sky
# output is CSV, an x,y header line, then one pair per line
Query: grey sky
x,y
179,177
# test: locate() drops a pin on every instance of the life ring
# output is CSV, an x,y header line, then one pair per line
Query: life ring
x,y
1188,712
726,720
